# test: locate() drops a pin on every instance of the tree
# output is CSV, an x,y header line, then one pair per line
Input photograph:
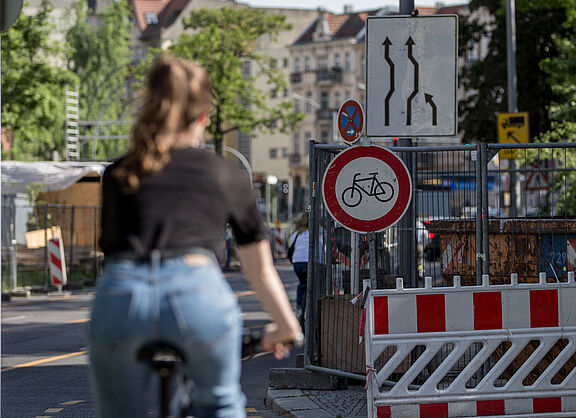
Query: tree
x,y
538,23
99,54
225,42
33,88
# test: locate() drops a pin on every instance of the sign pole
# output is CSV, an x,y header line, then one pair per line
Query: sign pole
x,y
406,6
512,97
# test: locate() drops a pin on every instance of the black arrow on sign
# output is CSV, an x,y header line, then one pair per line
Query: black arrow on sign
x,y
434,109
387,44
410,42
511,136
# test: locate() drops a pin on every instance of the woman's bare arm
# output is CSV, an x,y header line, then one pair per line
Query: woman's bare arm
x,y
258,266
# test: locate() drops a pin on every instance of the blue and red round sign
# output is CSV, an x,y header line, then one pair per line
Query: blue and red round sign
x,y
350,121
367,188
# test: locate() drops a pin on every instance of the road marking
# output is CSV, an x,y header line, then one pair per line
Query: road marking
x,y
78,321
72,402
14,318
53,410
245,293
46,360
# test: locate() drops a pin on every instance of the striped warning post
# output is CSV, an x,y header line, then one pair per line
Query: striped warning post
x,y
279,244
57,262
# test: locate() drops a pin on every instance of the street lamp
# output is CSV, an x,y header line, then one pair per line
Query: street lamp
x,y
271,181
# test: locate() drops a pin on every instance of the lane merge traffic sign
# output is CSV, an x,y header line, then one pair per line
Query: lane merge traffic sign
x,y
411,82
367,188
350,121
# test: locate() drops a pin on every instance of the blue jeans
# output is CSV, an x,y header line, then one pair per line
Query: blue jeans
x,y
301,270
189,306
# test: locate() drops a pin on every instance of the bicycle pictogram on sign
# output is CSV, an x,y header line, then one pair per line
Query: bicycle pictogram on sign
x,y
380,190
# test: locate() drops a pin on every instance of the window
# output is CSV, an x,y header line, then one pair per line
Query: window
x,y
306,63
309,102
324,100
273,93
348,95
297,64
337,100
324,136
246,69
297,105
285,91
337,62
285,152
273,62
322,63
296,144
273,153
151,18
347,62
285,63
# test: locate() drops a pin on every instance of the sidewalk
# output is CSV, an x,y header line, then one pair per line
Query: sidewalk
x,y
303,403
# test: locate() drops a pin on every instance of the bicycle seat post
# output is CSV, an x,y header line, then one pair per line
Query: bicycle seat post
x,y
165,360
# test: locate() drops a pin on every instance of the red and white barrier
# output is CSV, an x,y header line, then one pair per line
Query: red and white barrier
x,y
57,262
551,406
459,330
279,242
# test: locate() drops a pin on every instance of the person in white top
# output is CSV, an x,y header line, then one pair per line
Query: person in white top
x,y
300,258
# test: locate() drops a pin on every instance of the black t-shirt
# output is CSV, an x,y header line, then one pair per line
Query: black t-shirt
x,y
187,204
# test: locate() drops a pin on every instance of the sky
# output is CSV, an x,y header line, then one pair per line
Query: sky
x,y
337,6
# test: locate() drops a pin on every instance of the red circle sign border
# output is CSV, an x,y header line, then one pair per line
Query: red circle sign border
x,y
351,138
374,225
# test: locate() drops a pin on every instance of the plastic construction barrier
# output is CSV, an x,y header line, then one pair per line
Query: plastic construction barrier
x,y
500,350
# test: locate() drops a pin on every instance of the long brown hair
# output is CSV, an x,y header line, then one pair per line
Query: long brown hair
x,y
178,92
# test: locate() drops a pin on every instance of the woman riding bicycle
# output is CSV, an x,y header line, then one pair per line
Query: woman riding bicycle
x,y
164,207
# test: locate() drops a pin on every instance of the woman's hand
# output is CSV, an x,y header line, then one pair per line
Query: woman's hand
x,y
279,342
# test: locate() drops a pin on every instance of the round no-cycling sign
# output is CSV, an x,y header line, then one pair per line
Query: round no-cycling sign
x,y
367,188
350,121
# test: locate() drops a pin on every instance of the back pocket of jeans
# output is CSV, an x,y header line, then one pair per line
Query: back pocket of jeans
x,y
111,317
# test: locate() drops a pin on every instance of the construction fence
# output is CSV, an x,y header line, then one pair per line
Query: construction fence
x,y
474,212
27,228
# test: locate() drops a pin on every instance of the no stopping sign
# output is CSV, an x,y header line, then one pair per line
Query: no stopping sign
x,y
367,189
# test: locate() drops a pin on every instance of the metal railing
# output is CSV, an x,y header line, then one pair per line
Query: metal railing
x,y
460,225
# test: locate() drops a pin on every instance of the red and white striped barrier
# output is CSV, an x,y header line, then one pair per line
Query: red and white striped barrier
x,y
57,262
279,242
552,407
433,346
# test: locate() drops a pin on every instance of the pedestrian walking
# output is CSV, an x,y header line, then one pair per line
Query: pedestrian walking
x,y
164,206
299,240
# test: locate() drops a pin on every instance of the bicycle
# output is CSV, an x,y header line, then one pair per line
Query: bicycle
x,y
381,190
168,362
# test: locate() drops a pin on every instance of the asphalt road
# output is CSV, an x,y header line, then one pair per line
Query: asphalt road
x,y
45,362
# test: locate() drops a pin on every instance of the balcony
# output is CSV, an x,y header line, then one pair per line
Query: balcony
x,y
329,76
296,78
324,114
294,159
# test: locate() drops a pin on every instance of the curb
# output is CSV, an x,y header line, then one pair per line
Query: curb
x,y
293,403
298,403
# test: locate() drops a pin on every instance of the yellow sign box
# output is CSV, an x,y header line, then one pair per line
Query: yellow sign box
x,y
513,128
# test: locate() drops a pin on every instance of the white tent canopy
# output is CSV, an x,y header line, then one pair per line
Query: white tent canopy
x,y
17,176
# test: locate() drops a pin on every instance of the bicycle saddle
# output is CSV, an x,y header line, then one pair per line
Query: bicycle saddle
x,y
161,355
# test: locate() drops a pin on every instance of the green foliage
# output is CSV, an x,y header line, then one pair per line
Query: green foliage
x,y
33,87
538,24
100,56
225,42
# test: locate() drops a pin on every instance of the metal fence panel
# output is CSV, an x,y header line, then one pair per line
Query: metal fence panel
x,y
26,229
461,225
